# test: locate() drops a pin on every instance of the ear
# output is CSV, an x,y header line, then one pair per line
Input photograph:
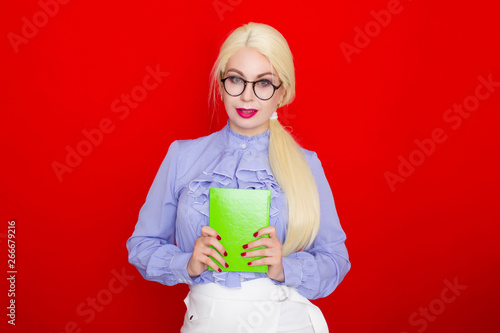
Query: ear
x,y
220,89
282,93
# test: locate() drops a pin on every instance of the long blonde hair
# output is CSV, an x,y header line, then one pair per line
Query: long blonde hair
x,y
289,165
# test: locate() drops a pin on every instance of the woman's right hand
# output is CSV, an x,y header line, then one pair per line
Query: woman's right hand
x,y
200,260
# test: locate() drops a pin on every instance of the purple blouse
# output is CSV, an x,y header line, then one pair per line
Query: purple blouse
x,y
177,207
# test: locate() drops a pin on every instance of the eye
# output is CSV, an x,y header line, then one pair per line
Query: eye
x,y
235,79
263,83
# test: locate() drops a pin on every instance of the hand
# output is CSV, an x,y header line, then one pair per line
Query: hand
x,y
200,260
273,255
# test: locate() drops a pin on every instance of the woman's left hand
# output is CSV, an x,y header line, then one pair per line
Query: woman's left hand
x,y
272,254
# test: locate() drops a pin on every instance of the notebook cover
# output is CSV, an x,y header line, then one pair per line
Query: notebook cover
x,y
236,214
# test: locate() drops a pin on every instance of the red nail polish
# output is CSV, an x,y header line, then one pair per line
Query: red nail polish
x,y
243,254
218,237
227,265
225,254
220,270
245,246
249,263
256,234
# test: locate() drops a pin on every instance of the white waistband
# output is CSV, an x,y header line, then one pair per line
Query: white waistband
x,y
263,289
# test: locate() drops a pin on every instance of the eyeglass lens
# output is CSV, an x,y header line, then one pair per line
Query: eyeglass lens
x,y
234,86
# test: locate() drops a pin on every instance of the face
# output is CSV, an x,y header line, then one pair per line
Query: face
x,y
249,115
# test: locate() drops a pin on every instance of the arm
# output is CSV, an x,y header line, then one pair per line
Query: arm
x,y
317,271
152,247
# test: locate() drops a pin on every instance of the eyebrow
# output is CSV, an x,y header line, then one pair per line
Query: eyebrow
x,y
258,76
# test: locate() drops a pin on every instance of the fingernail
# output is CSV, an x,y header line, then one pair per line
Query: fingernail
x,y
249,263
225,254
220,270
256,234
227,265
218,237
243,254
245,246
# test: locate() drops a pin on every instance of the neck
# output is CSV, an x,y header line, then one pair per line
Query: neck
x,y
249,131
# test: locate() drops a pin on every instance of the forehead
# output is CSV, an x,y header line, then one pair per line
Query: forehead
x,y
250,62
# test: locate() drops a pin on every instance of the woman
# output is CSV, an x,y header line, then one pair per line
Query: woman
x,y
305,251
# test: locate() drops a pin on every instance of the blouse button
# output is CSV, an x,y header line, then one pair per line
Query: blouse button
x,y
243,146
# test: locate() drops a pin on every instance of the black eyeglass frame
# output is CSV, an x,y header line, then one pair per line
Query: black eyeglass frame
x,y
253,87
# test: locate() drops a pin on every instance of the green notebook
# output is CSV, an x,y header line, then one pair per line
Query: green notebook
x,y
236,214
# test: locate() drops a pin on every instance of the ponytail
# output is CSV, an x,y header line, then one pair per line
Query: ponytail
x,y
289,164
295,178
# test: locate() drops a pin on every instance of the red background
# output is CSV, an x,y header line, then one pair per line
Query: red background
x,y
361,115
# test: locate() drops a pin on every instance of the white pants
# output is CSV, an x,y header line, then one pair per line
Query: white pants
x,y
259,306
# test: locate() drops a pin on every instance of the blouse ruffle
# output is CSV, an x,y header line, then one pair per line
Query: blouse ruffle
x,y
251,171
235,167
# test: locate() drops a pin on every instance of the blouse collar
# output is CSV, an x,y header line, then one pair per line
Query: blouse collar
x,y
258,142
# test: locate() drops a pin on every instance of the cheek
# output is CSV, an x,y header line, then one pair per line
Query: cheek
x,y
273,102
229,105
269,108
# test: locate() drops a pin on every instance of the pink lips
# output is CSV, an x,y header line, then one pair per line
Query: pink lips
x,y
246,113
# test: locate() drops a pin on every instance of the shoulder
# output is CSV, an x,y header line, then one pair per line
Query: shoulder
x,y
191,146
197,151
310,155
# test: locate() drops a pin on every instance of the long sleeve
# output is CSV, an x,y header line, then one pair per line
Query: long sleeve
x,y
177,207
317,271
151,247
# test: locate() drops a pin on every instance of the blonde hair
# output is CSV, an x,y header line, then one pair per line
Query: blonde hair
x,y
289,165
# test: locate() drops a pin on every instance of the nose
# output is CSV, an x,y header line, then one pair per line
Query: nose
x,y
247,94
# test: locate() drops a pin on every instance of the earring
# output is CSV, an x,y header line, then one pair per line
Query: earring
x,y
221,98
279,105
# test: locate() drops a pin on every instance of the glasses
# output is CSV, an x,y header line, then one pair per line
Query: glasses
x,y
263,89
